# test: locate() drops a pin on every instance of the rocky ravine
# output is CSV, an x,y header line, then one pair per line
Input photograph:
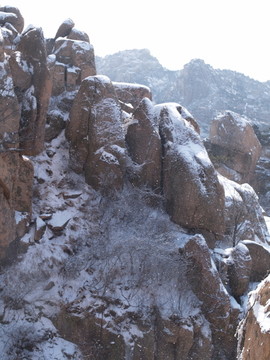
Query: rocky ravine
x,y
119,239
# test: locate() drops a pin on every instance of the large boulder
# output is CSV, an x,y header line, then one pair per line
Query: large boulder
x,y
260,256
97,146
65,28
239,269
193,193
36,98
78,54
144,146
76,34
234,146
132,93
12,15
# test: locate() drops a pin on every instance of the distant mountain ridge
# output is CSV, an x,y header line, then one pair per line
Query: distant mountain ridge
x,y
203,90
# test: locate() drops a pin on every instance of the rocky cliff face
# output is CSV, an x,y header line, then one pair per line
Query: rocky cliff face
x,y
119,239
205,91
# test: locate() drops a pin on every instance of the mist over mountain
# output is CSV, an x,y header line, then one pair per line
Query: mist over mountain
x,y
205,91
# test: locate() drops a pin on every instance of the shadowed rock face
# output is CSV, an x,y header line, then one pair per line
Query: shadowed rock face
x,y
96,135
144,146
234,146
194,196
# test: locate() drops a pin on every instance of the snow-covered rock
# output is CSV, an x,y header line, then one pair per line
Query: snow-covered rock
x,y
96,135
193,193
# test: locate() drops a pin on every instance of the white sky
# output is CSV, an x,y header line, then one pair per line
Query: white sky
x,y
227,34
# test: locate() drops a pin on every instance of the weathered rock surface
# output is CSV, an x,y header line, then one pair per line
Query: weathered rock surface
x,y
194,196
239,269
216,305
12,15
254,333
260,256
234,147
76,34
65,28
131,93
243,214
144,146
36,98
96,136
75,60
16,180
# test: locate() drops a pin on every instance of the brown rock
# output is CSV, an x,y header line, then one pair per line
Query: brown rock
x,y
144,146
132,93
76,34
24,186
234,145
59,78
33,49
216,305
16,177
65,28
95,132
40,228
188,117
260,256
76,53
254,333
12,15
21,74
193,193
54,125
239,270
9,109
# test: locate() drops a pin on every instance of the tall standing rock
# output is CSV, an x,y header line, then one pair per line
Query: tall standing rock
x,y
193,193
36,99
217,307
144,146
97,146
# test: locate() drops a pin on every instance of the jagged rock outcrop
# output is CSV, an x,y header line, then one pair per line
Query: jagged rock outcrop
x,y
194,196
97,144
234,147
254,332
144,146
